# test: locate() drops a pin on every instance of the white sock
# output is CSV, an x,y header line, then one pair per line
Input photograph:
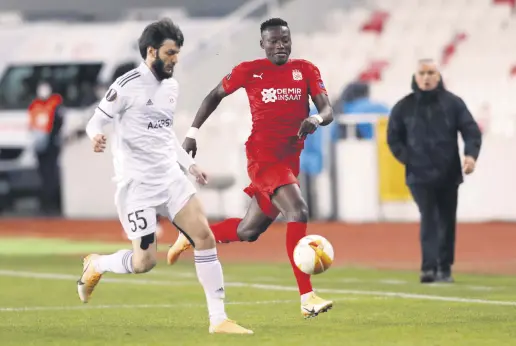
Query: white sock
x,y
209,273
121,262
304,297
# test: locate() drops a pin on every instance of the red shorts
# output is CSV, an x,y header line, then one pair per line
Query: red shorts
x,y
267,176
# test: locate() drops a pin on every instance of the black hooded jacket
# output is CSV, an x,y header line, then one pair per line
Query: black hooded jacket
x,y
422,134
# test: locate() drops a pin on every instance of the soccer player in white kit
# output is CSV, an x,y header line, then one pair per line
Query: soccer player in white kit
x,y
147,158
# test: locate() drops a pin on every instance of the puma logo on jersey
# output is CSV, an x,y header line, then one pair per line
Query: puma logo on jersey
x,y
258,75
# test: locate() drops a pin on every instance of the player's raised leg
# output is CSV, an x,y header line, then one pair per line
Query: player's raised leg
x,y
140,259
254,223
193,223
289,200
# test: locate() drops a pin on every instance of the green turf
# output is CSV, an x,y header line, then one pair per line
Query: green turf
x,y
48,246
166,307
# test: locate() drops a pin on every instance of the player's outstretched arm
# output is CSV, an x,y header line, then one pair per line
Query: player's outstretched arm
x,y
208,106
188,164
94,130
112,104
324,109
322,118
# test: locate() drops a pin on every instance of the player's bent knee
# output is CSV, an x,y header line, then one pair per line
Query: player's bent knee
x,y
299,214
143,264
203,238
198,231
303,214
249,235
144,253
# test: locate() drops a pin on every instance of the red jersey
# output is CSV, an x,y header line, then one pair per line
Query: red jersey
x,y
279,101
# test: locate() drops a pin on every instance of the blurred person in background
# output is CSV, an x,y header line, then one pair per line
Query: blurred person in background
x,y
355,100
311,163
317,147
422,135
90,97
45,122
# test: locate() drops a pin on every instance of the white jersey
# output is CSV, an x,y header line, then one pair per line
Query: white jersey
x,y
145,147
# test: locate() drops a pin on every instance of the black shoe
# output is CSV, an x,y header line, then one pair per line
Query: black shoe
x,y
444,276
427,276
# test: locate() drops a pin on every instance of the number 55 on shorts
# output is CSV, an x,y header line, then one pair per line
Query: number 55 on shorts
x,y
139,223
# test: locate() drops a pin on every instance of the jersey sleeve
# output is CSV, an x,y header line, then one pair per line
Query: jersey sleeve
x,y
236,79
113,103
315,82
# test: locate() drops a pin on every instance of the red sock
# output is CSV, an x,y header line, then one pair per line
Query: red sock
x,y
226,231
296,231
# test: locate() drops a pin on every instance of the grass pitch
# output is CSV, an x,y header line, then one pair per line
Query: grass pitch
x,y
39,305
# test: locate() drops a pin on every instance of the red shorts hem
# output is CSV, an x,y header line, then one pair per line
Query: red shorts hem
x,y
266,178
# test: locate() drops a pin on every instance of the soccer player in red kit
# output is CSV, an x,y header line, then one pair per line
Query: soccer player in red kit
x,y
278,89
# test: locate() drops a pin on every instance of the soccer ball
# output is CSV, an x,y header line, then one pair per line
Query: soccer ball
x,y
313,254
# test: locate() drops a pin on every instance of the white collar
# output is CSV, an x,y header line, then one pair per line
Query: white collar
x,y
147,72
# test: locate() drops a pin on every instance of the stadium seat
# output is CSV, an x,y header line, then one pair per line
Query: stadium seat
x,y
512,3
373,72
382,45
450,49
376,22
513,71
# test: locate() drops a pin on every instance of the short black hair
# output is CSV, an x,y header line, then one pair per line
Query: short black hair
x,y
155,33
269,23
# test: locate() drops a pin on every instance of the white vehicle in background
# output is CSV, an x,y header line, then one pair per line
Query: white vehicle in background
x,y
81,60
76,59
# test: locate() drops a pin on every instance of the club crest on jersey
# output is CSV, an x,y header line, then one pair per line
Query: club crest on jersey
x,y
297,75
111,95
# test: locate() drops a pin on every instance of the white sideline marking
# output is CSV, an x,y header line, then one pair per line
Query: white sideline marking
x,y
378,294
141,306
393,282
56,276
388,281
172,273
480,288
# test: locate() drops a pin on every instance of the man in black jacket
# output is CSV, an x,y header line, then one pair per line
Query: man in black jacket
x,y
422,134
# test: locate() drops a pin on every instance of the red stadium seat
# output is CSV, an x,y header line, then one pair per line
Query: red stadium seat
x,y
373,72
448,52
450,49
376,22
512,3
513,71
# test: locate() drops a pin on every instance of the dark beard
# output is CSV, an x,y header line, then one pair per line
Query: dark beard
x,y
158,67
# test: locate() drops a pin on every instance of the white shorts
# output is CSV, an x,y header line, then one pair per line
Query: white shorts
x,y
138,204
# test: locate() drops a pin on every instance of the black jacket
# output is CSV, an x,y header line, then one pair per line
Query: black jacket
x,y
422,134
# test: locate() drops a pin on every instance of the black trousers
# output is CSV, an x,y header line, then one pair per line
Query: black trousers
x,y
50,194
438,210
